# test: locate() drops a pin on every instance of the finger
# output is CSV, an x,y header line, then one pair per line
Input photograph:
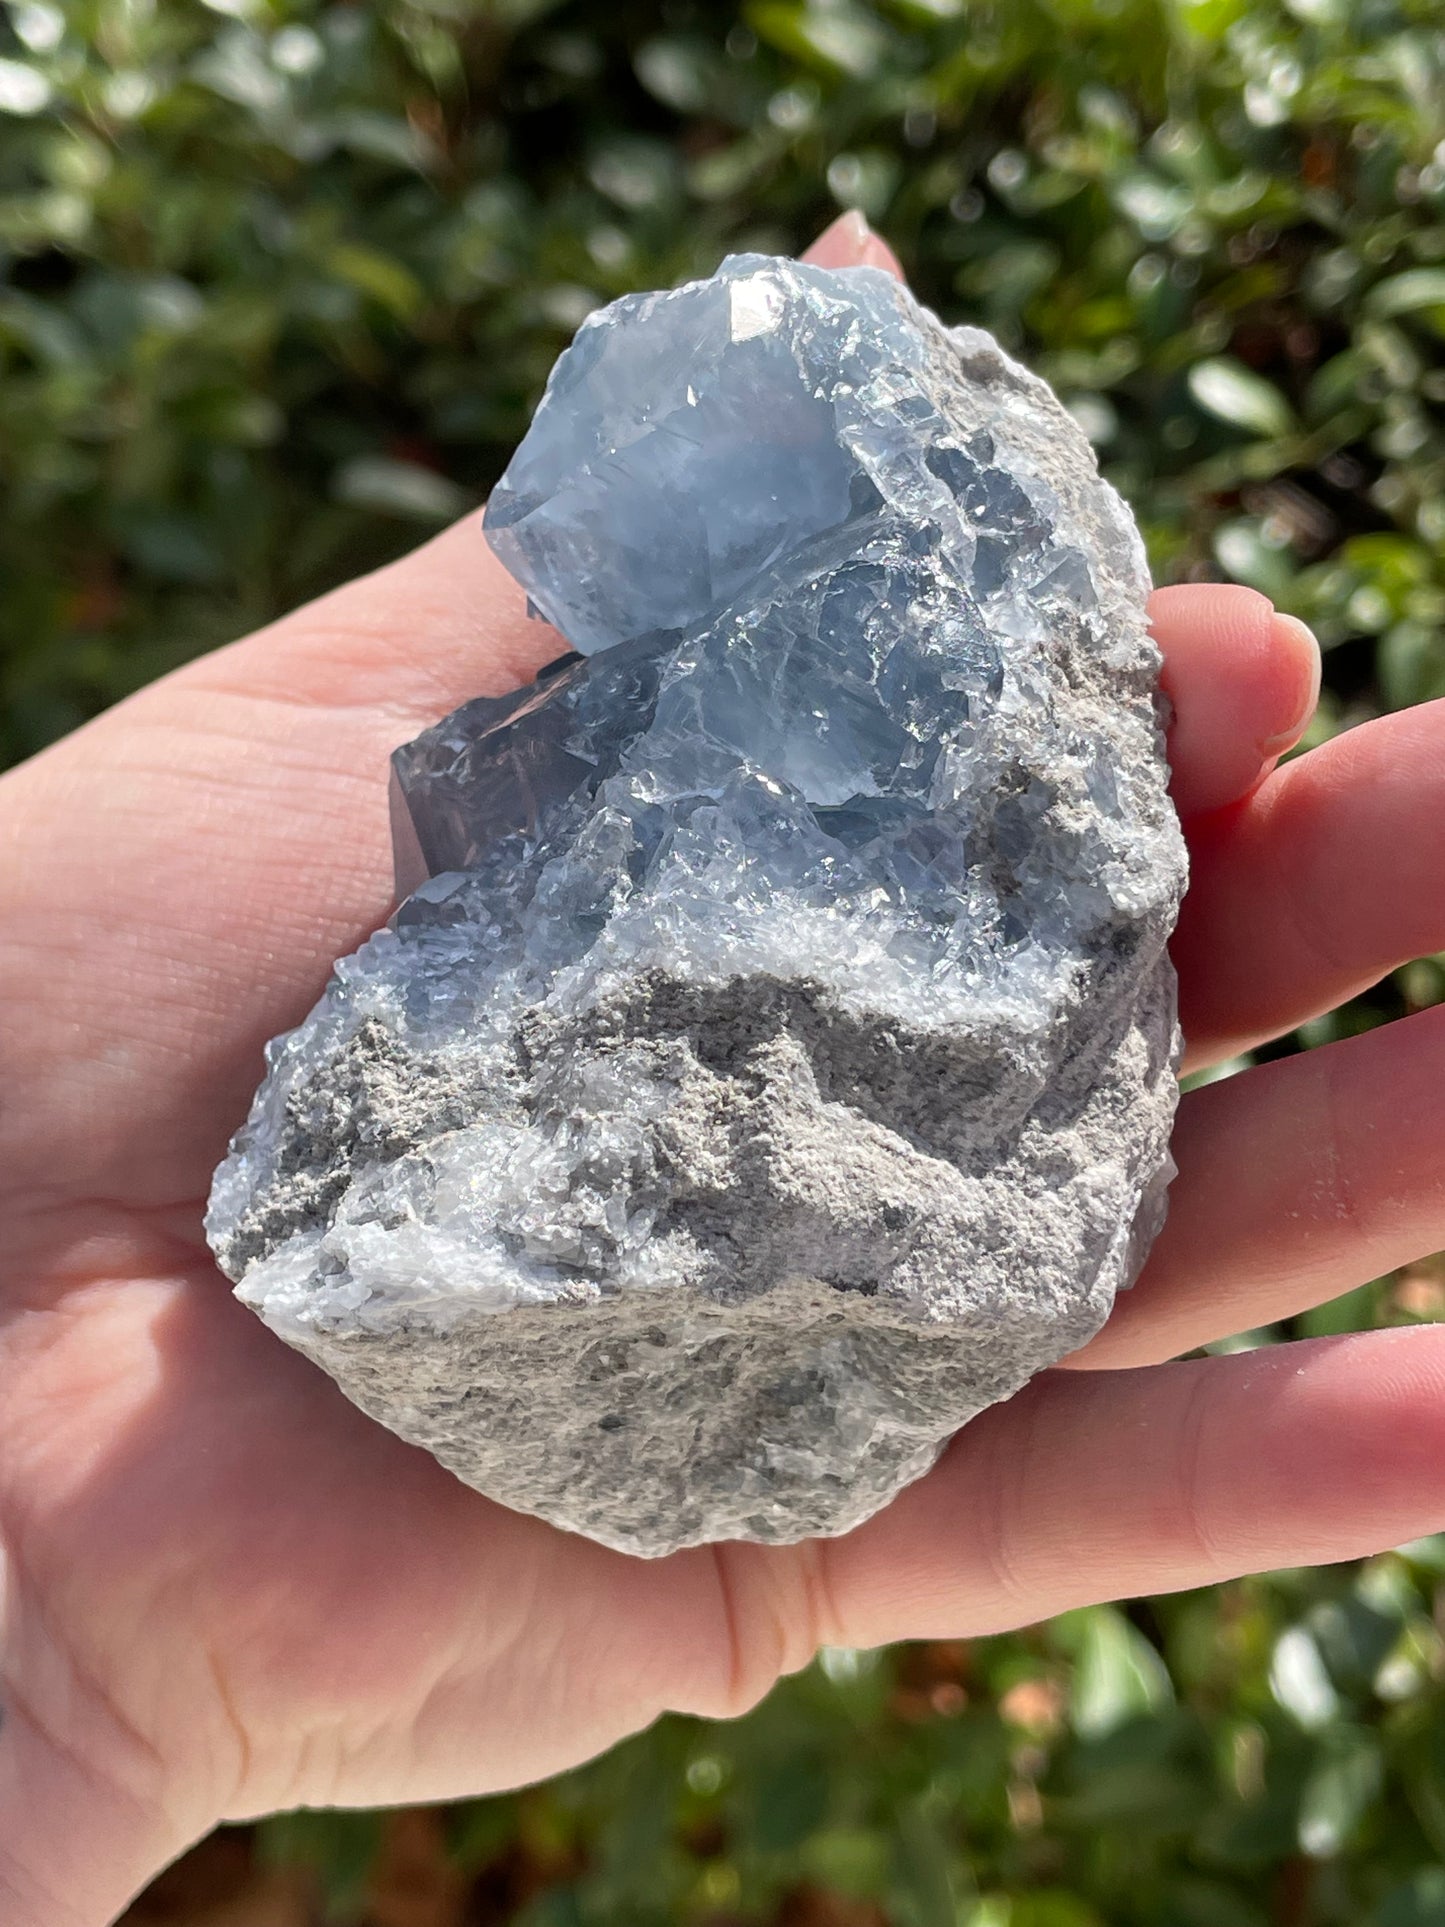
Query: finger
x,y
1243,682
1297,1181
1101,1485
1327,876
849,242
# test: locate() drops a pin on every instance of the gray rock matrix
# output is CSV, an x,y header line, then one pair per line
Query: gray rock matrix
x,y
775,1064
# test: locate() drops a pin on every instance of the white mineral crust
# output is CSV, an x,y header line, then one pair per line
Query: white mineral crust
x,y
776,1065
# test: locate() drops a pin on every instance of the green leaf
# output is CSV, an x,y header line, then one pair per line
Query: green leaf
x,y
382,137
674,72
851,1860
1338,1793
786,1800
399,488
923,1886
1118,1676
1411,664
1418,1901
1300,1682
395,287
841,37
23,88
1190,1901
1054,1908
171,545
1235,394
1248,556
340,1847
480,1831
1405,293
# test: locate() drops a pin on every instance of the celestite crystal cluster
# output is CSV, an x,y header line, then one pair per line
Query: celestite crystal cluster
x,y
772,1062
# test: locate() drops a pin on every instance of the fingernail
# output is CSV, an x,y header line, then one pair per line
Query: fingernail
x,y
1300,641
843,243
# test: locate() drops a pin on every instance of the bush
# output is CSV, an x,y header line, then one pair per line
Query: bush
x,y
279,284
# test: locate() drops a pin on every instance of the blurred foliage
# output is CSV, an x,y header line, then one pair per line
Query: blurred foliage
x,y
279,283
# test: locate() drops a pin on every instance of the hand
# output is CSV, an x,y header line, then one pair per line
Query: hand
x,y
227,1591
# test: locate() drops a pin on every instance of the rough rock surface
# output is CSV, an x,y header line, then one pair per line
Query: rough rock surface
x,y
777,1065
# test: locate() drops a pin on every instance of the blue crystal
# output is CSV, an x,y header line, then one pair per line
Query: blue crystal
x,y
682,446
771,1062
795,585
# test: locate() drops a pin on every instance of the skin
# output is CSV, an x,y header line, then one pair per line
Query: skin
x,y
225,1591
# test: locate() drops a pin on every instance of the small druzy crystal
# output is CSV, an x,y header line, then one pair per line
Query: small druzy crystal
x,y
772,1063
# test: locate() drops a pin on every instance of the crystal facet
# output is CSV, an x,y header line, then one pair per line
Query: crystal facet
x,y
772,1062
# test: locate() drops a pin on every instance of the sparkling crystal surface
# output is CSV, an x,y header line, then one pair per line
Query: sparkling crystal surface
x,y
772,1063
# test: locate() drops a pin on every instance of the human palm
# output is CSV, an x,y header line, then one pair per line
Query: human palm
x,y
227,1591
